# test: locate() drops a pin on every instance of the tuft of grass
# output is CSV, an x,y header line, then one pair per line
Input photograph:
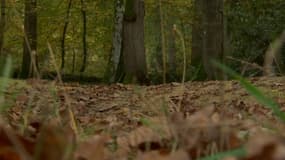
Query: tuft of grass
x,y
254,91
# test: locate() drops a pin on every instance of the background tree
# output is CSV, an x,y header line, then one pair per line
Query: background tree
x,y
134,60
2,24
117,40
66,22
84,34
208,35
29,62
163,46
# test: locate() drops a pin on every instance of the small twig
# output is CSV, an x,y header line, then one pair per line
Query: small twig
x,y
253,65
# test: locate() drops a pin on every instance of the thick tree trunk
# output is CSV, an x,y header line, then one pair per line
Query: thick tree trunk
x,y
208,35
117,38
133,42
214,37
64,34
29,63
2,24
84,42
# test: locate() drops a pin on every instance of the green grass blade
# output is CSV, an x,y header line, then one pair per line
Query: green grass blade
x,y
254,91
239,152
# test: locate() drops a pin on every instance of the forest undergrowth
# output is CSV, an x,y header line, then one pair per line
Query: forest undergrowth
x,y
200,120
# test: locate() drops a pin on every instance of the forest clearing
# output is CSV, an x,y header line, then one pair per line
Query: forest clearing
x,y
142,80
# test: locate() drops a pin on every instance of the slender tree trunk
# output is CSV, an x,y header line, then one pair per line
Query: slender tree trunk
x,y
163,47
133,42
84,42
117,38
29,63
64,34
73,61
2,25
172,53
171,47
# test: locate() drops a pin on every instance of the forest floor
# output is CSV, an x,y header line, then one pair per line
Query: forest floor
x,y
214,120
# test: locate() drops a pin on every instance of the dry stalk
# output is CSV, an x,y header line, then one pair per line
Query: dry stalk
x,y
253,65
182,41
69,109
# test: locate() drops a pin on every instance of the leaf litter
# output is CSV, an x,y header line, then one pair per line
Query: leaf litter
x,y
207,120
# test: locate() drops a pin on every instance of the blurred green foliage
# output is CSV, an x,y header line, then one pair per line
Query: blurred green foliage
x,y
251,26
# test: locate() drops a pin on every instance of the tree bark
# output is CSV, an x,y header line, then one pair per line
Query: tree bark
x,y
133,42
64,34
84,42
2,25
208,35
29,63
117,37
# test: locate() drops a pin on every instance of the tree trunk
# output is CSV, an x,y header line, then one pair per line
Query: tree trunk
x,y
214,37
163,47
2,24
64,34
133,42
29,63
73,61
208,35
117,38
84,42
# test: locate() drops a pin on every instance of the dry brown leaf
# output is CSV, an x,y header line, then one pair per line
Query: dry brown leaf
x,y
265,147
14,146
158,155
202,133
54,142
93,148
